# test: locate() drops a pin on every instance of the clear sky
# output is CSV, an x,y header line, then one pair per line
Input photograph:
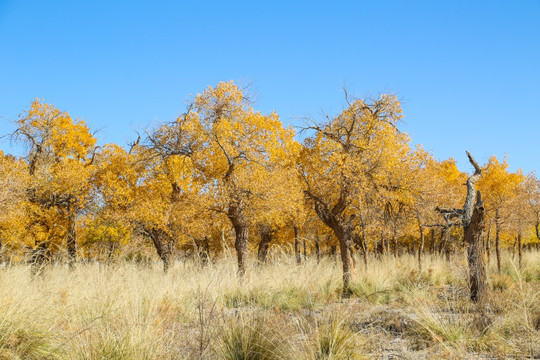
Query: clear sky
x,y
467,72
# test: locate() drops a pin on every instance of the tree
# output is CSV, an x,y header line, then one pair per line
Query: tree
x,y
346,155
241,155
471,217
60,163
150,188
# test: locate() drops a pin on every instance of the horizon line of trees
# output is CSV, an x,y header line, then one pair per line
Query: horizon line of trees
x,y
225,175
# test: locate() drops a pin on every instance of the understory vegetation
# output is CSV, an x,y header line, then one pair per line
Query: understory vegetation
x,y
277,310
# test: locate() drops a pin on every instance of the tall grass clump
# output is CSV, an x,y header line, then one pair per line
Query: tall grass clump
x,y
251,339
334,340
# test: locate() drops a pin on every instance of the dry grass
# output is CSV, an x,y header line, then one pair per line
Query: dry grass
x,y
278,311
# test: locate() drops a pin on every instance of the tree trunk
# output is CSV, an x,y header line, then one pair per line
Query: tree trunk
x,y
442,241
241,230
317,248
344,240
296,245
432,245
498,240
343,233
264,245
164,245
241,246
420,247
475,254
305,248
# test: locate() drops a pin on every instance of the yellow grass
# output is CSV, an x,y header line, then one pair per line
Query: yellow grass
x,y
278,311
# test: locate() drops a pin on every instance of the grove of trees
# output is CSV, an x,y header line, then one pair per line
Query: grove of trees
x,y
223,176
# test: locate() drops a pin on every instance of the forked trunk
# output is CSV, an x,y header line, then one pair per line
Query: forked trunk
x,y
164,245
163,242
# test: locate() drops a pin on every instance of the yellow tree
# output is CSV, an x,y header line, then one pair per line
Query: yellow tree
x,y
346,155
59,157
150,189
240,153
499,187
114,182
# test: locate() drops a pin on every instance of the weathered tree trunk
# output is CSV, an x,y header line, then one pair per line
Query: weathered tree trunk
x,y
342,228
475,254
241,246
344,238
241,230
343,232
498,240
264,244
472,219
296,245
164,245
305,248
473,225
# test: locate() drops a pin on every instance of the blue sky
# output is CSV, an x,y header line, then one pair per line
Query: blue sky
x,y
467,72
